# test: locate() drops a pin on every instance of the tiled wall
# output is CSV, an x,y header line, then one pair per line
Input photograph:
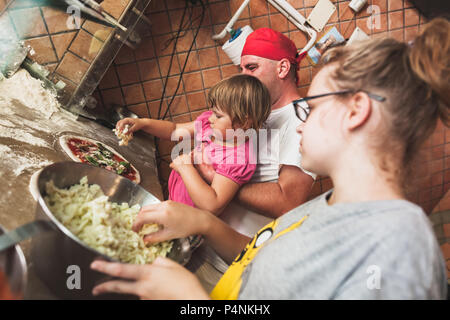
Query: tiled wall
x,y
64,50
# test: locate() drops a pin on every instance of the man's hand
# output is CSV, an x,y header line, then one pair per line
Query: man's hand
x,y
164,279
134,124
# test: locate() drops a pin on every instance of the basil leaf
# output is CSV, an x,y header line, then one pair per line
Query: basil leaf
x,y
91,160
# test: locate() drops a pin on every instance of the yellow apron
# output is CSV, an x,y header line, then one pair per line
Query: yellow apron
x,y
229,285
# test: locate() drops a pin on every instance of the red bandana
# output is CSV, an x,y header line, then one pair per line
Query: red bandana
x,y
273,45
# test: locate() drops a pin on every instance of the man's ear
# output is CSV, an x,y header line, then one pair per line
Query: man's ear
x,y
284,66
360,110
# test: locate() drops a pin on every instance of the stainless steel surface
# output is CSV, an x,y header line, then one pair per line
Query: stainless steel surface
x,y
13,237
55,251
22,126
13,265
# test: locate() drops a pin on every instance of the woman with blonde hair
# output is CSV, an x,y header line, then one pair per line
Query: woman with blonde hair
x,y
367,112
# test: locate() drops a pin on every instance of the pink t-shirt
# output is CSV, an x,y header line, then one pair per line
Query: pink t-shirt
x,y
237,163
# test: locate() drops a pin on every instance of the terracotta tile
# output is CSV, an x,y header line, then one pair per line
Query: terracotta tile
x,y
175,19
161,23
229,70
133,94
379,23
365,24
436,166
212,76
125,55
42,50
154,108
62,42
28,22
192,63
297,4
182,118
139,109
299,38
395,5
438,152
310,3
196,100
204,39
208,58
51,67
179,105
97,30
447,149
175,4
153,89
397,34
164,64
425,195
85,46
72,67
56,20
345,12
411,17
128,73
259,22
258,8
305,76
220,12
447,234
395,20
145,50
347,28
278,22
446,250
172,84
112,96
110,79
193,81
437,192
163,44
206,19
407,4
149,69
382,4
234,6
114,7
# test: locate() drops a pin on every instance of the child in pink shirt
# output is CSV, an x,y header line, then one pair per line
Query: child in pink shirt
x,y
238,103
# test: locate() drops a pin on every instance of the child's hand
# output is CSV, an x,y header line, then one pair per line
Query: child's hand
x,y
181,161
134,124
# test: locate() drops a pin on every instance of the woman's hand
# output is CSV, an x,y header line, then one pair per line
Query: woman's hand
x,y
163,279
181,161
133,123
177,220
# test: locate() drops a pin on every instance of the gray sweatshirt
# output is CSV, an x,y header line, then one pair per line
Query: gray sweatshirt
x,y
368,250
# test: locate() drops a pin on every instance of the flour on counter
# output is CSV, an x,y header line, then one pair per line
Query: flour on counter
x,y
30,92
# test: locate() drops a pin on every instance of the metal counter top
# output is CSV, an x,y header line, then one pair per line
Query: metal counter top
x,y
29,141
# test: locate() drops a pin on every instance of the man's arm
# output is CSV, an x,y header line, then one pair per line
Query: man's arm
x,y
273,199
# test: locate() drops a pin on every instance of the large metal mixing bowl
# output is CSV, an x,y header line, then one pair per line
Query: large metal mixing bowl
x,y
14,267
58,255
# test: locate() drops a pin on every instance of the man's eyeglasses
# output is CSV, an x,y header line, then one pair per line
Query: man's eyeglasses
x,y
302,109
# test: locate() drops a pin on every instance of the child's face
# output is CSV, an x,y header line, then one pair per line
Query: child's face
x,y
220,122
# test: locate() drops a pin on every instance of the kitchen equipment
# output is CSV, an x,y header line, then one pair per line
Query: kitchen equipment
x,y
110,118
14,266
55,250
286,10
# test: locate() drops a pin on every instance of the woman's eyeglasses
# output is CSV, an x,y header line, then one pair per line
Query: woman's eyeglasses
x,y
302,109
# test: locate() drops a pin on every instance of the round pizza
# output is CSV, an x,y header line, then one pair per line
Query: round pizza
x,y
93,152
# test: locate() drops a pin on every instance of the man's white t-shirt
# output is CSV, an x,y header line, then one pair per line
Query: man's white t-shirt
x,y
280,148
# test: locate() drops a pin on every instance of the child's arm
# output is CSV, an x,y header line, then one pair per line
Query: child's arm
x,y
214,197
160,128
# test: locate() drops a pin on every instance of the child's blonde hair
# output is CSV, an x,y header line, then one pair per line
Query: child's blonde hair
x,y
244,98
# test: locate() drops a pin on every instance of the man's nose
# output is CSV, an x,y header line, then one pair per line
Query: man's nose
x,y
245,71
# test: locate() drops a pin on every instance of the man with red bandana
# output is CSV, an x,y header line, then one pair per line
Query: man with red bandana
x,y
279,183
